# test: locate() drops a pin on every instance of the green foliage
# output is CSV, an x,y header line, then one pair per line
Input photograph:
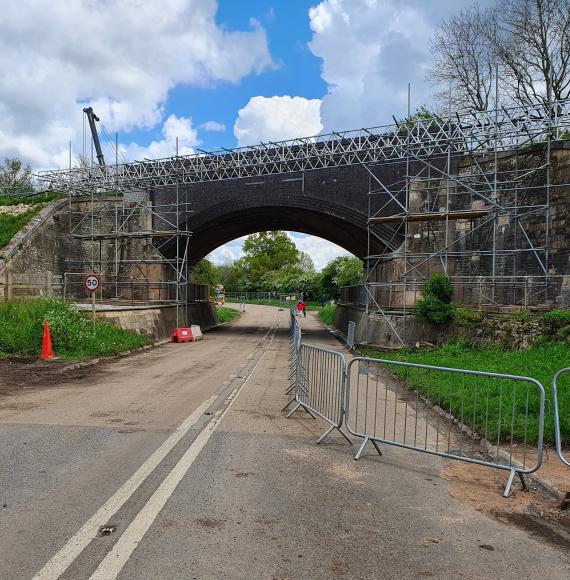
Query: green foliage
x,y
439,286
29,199
10,225
539,361
326,314
206,273
21,331
227,314
15,177
433,309
465,317
555,324
435,304
342,271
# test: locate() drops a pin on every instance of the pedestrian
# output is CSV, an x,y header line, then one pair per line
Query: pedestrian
x,y
323,300
301,307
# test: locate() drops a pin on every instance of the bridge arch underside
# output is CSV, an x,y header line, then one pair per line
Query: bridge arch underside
x,y
217,225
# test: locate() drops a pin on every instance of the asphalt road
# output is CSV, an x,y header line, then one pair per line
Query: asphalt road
x,y
178,463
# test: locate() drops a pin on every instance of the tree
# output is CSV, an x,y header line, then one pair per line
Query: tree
x,y
342,271
265,252
531,39
526,41
305,262
206,273
464,61
15,177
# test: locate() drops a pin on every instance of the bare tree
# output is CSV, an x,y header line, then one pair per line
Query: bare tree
x,y
464,61
15,177
531,39
526,41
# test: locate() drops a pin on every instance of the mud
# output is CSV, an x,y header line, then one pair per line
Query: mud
x,y
19,374
482,488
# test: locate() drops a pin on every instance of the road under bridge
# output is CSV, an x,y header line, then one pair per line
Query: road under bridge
x,y
178,463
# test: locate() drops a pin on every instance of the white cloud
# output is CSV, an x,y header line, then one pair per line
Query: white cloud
x,y
321,251
277,118
174,128
228,253
121,56
213,126
370,50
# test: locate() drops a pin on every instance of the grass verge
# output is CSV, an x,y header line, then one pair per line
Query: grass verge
x,y
21,331
29,199
326,314
227,314
10,225
488,403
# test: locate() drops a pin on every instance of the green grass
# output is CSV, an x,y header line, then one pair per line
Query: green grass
x,y
227,314
326,314
488,402
10,225
21,331
29,199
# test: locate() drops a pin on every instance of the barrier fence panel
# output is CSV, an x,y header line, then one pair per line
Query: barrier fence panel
x,y
319,386
490,419
557,419
295,336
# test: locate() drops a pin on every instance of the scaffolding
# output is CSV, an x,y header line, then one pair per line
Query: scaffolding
x,y
444,195
119,232
478,210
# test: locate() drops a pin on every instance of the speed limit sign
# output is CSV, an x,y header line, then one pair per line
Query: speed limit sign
x,y
91,283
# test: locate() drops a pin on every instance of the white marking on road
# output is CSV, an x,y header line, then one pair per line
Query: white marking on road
x,y
113,563
63,559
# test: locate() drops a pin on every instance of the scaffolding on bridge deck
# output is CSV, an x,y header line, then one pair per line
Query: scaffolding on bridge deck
x,y
481,171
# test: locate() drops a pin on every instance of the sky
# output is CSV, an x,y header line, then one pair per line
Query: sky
x,y
209,74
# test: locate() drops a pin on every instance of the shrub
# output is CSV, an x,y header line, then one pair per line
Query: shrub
x,y
435,306
466,317
433,309
439,286
553,324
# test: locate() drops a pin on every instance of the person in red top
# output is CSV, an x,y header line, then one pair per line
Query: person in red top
x,y
301,307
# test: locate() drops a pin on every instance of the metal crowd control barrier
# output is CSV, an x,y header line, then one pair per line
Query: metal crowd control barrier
x,y
319,386
475,416
295,336
557,433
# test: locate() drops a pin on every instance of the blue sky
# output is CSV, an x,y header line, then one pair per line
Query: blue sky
x,y
208,73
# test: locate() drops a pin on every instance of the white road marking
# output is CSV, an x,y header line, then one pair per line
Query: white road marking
x,y
113,563
59,563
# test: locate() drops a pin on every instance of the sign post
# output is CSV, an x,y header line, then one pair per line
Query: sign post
x,y
91,284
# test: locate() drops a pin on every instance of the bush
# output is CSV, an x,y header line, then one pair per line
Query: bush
x,y
554,323
435,306
439,286
433,309
466,317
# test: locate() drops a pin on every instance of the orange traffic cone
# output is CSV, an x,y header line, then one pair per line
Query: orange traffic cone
x,y
47,349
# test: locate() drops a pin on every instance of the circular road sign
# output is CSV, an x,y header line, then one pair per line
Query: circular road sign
x,y
91,283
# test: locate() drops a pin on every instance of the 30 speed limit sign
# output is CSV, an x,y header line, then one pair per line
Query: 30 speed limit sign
x,y
91,283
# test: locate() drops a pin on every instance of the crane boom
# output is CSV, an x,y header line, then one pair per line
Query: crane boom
x,y
92,117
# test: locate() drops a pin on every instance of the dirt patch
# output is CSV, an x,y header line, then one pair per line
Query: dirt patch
x,y
17,375
210,523
482,488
